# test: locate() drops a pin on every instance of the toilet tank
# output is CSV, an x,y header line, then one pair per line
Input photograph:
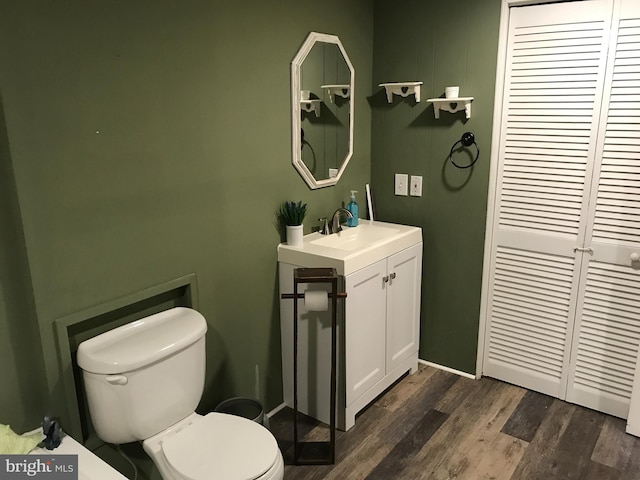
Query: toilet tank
x,y
144,376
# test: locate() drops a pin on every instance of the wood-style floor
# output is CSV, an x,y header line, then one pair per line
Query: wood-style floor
x,y
436,425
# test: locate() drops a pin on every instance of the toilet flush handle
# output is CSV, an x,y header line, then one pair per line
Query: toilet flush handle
x,y
117,379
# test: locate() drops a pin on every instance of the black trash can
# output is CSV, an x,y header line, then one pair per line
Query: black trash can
x,y
244,407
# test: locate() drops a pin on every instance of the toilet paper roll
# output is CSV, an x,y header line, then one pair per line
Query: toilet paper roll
x,y
316,301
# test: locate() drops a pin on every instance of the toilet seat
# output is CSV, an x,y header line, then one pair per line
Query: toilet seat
x,y
221,446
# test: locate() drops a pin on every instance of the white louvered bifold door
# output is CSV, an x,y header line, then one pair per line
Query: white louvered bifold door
x,y
605,345
556,61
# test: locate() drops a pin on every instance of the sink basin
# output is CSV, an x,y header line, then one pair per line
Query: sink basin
x,y
356,237
352,248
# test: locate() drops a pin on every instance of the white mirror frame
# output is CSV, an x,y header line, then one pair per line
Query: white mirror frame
x,y
296,124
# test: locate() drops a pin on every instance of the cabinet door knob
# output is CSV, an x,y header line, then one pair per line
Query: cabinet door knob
x,y
393,275
385,279
635,256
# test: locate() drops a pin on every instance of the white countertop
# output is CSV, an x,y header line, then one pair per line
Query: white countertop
x,y
353,248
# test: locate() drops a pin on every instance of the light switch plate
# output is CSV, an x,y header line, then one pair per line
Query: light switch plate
x,y
416,186
402,184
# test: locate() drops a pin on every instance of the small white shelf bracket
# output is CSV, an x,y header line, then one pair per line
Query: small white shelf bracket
x,y
451,105
404,89
343,91
311,106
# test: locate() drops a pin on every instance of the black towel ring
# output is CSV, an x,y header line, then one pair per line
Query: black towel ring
x,y
466,140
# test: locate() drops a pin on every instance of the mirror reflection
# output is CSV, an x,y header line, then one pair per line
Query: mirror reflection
x,y
326,132
322,115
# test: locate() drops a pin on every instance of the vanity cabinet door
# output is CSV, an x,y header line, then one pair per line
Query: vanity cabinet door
x,y
403,305
365,329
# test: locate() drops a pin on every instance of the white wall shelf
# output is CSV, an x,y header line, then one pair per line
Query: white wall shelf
x,y
451,105
343,91
311,106
404,89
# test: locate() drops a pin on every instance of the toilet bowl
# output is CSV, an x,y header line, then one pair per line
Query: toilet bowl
x,y
143,381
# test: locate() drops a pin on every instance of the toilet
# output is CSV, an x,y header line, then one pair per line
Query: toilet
x,y
143,382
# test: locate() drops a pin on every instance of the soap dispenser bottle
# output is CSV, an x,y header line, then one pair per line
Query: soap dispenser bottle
x,y
352,206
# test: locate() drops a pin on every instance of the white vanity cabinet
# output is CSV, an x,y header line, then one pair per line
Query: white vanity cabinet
x,y
382,325
378,322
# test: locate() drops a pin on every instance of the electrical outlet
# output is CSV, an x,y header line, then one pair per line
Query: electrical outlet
x,y
402,184
416,186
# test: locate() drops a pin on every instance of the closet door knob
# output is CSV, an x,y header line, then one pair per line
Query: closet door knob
x,y
634,256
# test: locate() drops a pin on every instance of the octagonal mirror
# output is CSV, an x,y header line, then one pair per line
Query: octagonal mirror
x,y
322,110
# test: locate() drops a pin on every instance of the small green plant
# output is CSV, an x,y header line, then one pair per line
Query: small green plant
x,y
292,213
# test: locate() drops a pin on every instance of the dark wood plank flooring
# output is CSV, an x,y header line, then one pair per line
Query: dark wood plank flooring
x,y
435,425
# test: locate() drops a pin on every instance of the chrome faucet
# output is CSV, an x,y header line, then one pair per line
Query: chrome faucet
x,y
335,219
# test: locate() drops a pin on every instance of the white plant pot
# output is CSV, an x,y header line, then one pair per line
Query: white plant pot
x,y
452,92
294,235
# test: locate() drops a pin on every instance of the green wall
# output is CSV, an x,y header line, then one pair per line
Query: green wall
x,y
145,141
441,43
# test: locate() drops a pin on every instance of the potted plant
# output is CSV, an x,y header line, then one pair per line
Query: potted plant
x,y
292,214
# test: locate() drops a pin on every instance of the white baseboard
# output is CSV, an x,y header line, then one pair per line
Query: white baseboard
x,y
447,369
276,410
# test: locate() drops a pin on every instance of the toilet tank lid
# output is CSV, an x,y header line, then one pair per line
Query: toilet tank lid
x,y
142,342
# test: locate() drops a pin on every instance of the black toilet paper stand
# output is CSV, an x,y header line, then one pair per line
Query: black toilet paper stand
x,y
315,453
